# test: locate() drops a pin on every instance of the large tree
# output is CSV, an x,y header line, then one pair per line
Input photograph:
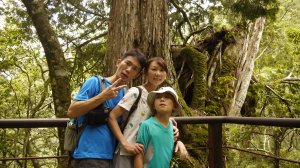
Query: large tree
x,y
138,24
58,72
246,50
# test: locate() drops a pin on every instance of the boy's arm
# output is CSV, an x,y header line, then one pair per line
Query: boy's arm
x,y
143,137
138,161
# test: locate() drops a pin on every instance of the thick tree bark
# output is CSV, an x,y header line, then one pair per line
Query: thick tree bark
x,y
245,64
137,24
58,72
141,24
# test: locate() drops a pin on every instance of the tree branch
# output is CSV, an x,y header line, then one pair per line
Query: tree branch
x,y
285,101
92,39
83,9
185,17
195,32
286,80
178,27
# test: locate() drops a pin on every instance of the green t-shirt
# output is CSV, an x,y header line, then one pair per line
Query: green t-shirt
x,y
158,142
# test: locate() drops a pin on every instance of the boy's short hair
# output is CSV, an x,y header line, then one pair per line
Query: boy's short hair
x,y
136,54
171,91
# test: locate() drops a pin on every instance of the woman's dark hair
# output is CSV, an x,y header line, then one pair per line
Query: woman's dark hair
x,y
161,62
136,54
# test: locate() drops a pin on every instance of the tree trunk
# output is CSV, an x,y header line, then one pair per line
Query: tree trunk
x,y
279,137
245,64
138,24
58,72
141,24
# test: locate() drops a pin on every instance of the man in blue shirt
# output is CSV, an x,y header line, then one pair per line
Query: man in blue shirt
x,y
97,143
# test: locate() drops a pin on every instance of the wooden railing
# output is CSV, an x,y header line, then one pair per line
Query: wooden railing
x,y
215,124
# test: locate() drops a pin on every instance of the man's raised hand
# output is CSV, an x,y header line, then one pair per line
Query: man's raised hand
x,y
112,91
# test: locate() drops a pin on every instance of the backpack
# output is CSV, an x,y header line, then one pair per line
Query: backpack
x,y
74,130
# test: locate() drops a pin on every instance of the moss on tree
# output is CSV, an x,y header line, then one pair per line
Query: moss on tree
x,y
197,62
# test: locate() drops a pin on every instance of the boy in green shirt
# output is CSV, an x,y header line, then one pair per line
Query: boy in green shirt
x,y
156,133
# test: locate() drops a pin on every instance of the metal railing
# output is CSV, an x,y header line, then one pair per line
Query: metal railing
x,y
215,130
214,127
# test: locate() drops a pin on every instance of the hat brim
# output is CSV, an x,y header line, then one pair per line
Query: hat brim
x,y
151,97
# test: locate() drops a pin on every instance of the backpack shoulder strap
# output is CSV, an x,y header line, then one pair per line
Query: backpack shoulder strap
x,y
101,81
135,104
132,109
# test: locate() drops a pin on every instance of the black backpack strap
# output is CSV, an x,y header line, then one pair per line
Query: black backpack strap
x,y
102,83
132,109
135,104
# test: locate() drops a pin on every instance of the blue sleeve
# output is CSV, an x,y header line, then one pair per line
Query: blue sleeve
x,y
143,136
89,89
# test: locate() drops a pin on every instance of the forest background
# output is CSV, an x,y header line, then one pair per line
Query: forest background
x,y
226,58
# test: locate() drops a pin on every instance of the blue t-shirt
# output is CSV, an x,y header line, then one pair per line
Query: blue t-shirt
x,y
96,141
158,143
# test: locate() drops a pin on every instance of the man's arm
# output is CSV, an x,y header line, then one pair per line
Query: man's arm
x,y
114,126
78,108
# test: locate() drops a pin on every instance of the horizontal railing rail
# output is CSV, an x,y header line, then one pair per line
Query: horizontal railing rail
x,y
33,123
279,122
62,122
214,127
34,158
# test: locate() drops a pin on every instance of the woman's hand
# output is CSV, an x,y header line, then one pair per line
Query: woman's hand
x,y
181,147
175,129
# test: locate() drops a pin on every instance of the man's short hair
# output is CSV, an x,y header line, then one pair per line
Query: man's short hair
x,y
136,54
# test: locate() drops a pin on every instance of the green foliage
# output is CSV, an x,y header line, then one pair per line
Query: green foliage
x,y
252,98
219,95
190,162
24,73
24,93
88,62
198,18
196,136
260,140
252,9
293,35
280,60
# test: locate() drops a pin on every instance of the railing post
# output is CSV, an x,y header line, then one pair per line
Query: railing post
x,y
3,164
215,145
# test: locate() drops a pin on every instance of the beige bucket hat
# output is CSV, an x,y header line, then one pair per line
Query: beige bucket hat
x,y
151,97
